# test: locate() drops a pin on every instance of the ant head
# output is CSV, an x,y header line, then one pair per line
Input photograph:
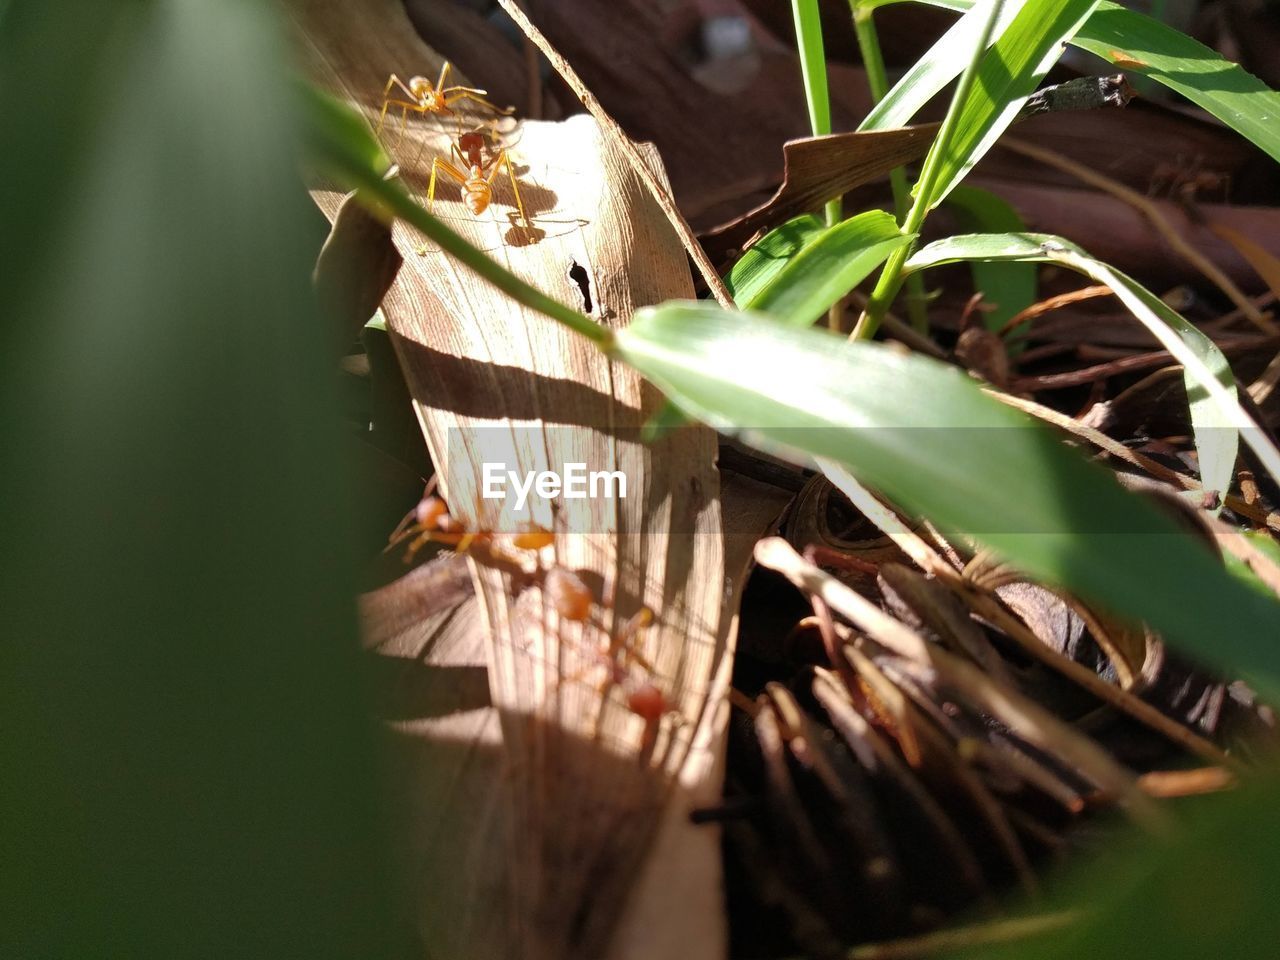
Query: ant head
x,y
648,702
471,143
431,513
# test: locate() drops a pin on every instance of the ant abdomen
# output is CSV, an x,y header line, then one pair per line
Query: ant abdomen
x,y
566,592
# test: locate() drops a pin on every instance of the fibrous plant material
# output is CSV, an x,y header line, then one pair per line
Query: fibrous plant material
x,y
592,772
909,764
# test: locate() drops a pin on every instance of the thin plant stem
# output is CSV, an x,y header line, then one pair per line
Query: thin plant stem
x,y
813,69
391,196
891,277
864,28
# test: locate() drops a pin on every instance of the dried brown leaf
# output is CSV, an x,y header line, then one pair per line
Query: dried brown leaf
x,y
587,786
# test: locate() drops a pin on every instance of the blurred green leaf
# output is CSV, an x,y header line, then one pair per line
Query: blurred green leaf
x,y
1009,287
1205,891
186,756
829,265
338,138
1265,544
1124,37
924,434
1216,415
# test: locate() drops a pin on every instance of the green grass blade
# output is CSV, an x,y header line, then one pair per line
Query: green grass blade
x,y
941,64
926,435
797,271
830,265
1009,73
1224,89
813,64
936,163
1216,414
765,259
878,82
813,69
1009,286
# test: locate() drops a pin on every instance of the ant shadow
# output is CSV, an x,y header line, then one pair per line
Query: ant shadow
x,y
528,233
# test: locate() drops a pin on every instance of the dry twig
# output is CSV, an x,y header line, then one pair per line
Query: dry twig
x,y
1148,209
988,607
659,191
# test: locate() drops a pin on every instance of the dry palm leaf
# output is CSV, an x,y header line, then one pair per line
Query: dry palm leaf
x,y
587,781
442,745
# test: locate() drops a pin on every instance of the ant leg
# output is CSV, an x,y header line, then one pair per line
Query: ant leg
x,y
405,107
438,164
404,125
444,74
394,81
465,93
504,159
416,544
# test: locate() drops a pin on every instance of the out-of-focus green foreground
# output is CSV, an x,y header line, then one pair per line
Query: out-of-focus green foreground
x,y
186,765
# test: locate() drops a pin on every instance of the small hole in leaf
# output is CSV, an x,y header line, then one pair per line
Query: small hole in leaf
x,y
578,274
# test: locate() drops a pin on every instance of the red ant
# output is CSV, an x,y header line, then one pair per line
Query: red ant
x,y
572,600
427,97
564,590
430,522
1186,181
474,174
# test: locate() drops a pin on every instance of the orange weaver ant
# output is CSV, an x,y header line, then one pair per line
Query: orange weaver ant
x,y
1187,181
474,174
572,600
430,522
427,97
564,590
